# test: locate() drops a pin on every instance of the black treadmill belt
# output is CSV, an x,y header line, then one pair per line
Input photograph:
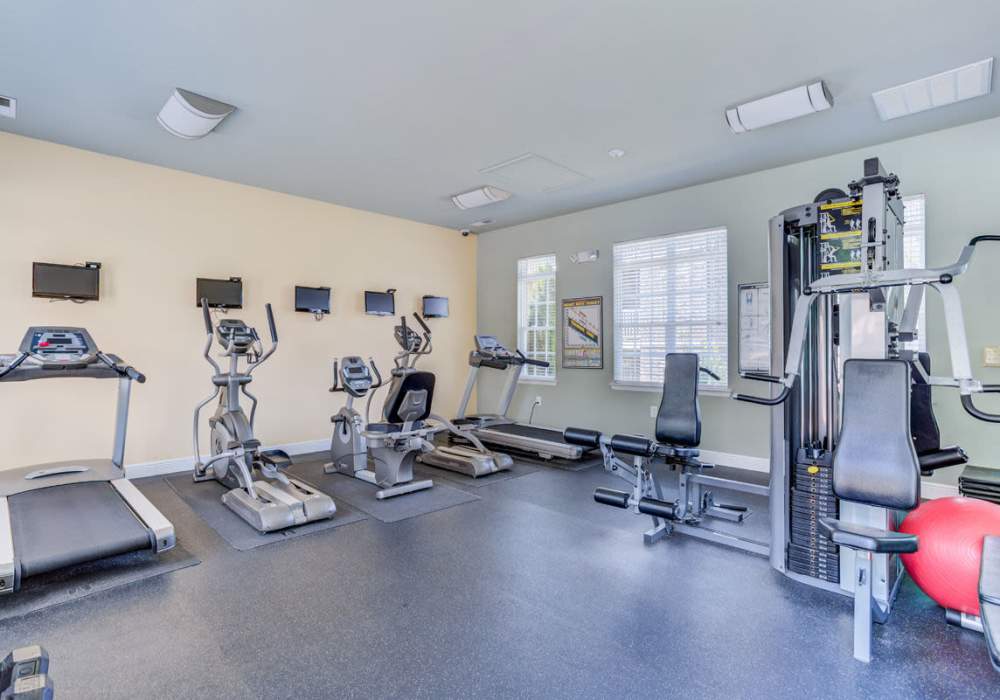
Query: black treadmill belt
x,y
62,526
529,431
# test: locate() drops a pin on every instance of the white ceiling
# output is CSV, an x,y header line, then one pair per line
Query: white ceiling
x,y
393,106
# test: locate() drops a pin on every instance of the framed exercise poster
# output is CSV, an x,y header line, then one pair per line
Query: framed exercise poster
x,y
755,329
583,333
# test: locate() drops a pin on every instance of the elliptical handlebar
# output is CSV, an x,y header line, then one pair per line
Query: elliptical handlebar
x,y
274,341
206,314
270,324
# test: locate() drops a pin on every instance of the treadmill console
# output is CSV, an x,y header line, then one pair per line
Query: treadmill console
x,y
355,375
235,334
59,347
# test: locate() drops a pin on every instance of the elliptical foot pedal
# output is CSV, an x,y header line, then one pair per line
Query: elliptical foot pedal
x,y
266,513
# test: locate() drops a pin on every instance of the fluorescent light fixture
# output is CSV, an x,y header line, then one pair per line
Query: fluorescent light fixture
x,y
973,80
189,115
8,107
790,104
479,198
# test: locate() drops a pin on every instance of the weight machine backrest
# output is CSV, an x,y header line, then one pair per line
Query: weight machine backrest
x,y
678,421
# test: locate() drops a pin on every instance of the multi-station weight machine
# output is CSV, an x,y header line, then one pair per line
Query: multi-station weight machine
x,y
839,291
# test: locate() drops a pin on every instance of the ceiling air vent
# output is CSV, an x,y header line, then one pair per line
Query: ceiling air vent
x,y
8,107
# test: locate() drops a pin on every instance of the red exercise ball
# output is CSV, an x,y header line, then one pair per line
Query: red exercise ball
x,y
946,564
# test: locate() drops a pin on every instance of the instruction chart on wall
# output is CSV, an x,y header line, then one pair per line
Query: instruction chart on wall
x,y
755,328
583,336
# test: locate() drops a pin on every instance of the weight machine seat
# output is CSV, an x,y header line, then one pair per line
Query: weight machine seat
x,y
989,596
869,539
583,437
678,421
71,524
874,462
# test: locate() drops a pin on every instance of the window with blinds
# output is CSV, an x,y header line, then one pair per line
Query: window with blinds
x,y
914,256
670,295
536,314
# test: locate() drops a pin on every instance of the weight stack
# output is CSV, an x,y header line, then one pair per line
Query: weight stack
x,y
809,552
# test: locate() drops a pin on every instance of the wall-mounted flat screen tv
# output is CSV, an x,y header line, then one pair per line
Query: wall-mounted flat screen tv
x,y
435,307
51,281
380,304
314,300
220,294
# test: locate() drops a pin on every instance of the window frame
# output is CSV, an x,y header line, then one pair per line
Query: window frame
x,y
722,389
921,342
522,313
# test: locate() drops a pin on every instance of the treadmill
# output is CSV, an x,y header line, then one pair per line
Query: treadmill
x,y
498,429
61,514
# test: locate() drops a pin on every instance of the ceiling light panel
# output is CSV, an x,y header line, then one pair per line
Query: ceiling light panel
x,y
532,173
965,83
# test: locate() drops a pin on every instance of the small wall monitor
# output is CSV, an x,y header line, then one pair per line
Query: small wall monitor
x,y
380,304
435,307
314,300
220,294
77,282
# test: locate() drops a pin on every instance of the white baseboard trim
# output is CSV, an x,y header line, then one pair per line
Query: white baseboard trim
x,y
928,489
728,459
183,464
931,489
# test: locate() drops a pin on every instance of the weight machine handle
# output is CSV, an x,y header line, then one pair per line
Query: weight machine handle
x,y
764,401
980,239
710,373
971,409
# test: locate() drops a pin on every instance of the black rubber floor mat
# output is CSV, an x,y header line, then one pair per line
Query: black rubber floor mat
x,y
205,499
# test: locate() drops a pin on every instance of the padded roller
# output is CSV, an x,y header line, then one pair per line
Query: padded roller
x,y
657,508
582,436
633,445
938,459
611,497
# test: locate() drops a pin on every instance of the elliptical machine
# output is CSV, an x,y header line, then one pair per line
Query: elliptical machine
x,y
393,444
474,459
275,501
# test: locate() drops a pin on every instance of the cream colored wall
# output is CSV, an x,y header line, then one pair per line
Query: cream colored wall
x,y
155,230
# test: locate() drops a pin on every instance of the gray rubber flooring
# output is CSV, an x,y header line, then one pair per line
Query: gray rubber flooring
x,y
533,591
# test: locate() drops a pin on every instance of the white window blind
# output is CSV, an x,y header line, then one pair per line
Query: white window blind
x,y
671,295
914,255
536,314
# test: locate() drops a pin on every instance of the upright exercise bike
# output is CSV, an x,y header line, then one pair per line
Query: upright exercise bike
x,y
274,501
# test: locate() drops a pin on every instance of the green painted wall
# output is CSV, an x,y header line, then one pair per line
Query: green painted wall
x,y
957,169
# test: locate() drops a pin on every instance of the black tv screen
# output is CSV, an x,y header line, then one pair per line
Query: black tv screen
x,y
380,304
315,300
221,294
51,281
436,307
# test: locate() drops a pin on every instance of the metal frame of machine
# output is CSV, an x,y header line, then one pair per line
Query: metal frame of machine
x,y
60,352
